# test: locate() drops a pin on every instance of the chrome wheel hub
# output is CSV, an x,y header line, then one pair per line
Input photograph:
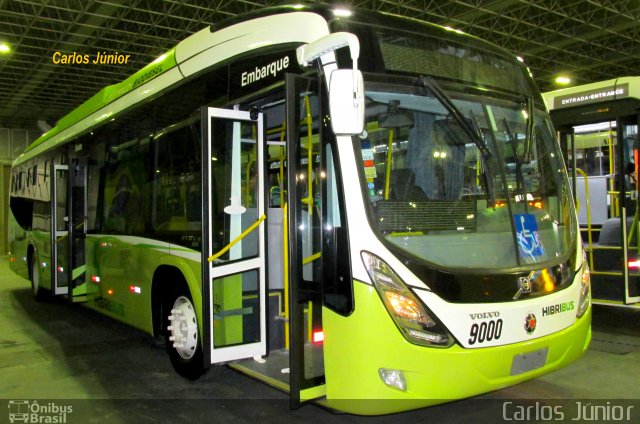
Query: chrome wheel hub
x,y
183,328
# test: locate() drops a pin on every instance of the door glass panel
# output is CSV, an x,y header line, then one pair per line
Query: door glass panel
x,y
234,187
306,178
311,178
233,255
61,262
236,309
630,184
62,221
78,224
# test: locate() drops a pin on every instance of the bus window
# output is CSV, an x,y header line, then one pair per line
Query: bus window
x,y
22,210
125,186
176,192
95,170
41,216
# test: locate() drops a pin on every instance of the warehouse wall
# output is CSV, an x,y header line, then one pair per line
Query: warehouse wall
x,y
12,144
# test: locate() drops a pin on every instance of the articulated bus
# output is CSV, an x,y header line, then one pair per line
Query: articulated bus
x,y
349,206
597,127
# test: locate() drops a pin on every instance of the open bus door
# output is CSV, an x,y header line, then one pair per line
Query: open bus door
x,y
628,198
306,359
606,191
233,258
68,229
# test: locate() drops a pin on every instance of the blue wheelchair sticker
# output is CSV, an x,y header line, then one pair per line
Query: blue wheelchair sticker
x,y
529,241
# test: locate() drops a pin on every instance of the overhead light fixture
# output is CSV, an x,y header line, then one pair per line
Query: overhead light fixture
x,y
591,128
342,13
5,48
563,80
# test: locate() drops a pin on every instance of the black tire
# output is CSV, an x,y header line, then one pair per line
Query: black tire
x,y
186,357
39,293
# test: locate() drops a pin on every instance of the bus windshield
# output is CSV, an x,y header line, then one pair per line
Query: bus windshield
x,y
464,180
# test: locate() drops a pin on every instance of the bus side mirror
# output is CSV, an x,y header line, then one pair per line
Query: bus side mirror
x,y
346,101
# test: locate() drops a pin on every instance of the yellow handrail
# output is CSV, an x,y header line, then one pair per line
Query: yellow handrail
x,y
311,258
237,239
615,205
282,159
588,209
248,179
307,106
634,227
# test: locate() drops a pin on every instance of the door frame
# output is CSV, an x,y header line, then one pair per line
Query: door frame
x,y
211,353
57,235
301,389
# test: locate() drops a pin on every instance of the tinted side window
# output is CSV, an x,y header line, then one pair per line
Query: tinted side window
x,y
22,210
126,188
176,210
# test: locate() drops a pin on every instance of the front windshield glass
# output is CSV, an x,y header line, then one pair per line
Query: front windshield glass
x,y
478,183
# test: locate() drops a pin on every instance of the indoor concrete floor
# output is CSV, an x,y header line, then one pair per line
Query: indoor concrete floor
x,y
64,355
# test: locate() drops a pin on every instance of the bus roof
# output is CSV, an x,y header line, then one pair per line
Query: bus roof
x,y
596,92
193,54
177,64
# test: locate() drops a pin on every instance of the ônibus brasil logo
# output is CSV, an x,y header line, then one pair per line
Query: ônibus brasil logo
x,y
26,411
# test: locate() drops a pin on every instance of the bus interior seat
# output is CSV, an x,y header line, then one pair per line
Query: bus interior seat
x,y
403,188
611,235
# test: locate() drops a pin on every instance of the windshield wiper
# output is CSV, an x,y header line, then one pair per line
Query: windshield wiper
x,y
526,157
521,187
453,110
472,132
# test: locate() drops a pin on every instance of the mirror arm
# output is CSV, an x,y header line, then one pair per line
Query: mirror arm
x,y
307,53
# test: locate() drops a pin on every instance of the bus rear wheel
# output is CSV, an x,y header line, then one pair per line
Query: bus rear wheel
x,y
182,336
39,293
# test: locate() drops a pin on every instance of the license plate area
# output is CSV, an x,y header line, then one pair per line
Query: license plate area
x,y
529,361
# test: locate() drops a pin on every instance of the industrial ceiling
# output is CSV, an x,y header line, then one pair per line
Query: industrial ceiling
x,y
587,39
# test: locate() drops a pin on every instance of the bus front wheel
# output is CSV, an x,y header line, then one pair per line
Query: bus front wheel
x,y
182,335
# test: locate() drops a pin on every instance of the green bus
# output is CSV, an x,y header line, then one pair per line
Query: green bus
x,y
347,205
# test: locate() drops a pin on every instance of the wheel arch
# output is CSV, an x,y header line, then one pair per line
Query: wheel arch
x,y
167,277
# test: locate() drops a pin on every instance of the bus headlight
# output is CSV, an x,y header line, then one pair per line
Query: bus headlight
x,y
585,289
412,317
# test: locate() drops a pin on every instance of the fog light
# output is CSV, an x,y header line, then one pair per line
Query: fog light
x,y
393,378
